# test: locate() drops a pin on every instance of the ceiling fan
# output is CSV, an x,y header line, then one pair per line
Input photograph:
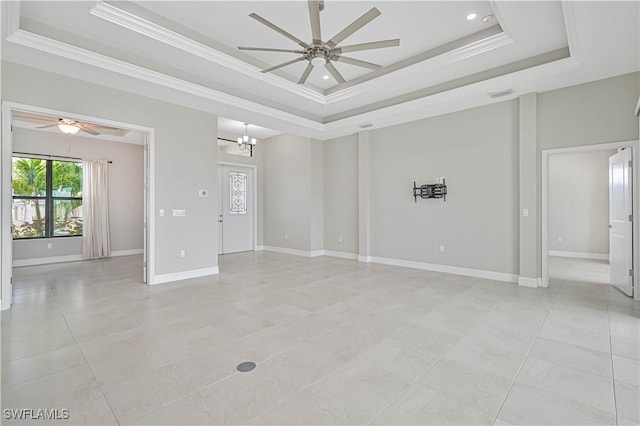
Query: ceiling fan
x,y
65,125
320,52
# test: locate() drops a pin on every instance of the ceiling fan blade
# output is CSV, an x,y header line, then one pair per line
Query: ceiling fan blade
x,y
358,62
88,130
314,15
353,27
268,49
278,29
284,64
306,73
367,46
48,125
334,72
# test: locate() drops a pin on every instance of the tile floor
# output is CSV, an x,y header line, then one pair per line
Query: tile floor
x,y
336,342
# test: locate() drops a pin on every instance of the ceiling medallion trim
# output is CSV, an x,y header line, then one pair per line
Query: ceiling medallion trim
x,y
156,32
64,50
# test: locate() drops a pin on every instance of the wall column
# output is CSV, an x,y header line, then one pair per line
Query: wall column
x,y
364,208
528,185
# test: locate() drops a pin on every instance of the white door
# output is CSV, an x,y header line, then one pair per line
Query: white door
x,y
237,209
621,225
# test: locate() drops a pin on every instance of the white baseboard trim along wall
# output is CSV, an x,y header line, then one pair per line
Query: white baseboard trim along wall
x,y
178,276
477,273
71,258
579,255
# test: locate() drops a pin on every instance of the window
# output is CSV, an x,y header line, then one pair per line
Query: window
x,y
47,198
238,190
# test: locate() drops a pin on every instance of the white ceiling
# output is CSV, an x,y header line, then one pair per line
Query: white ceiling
x,y
444,62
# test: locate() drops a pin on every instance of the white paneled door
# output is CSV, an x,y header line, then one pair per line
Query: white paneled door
x,y
236,215
620,221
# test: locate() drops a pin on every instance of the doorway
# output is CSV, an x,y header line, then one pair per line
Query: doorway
x,y
585,247
9,110
237,218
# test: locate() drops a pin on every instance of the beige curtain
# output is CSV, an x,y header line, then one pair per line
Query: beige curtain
x,y
95,204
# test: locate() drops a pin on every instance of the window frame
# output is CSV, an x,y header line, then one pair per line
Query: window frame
x,y
49,198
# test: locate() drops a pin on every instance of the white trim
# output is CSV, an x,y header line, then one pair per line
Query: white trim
x,y
530,282
185,275
69,258
365,259
88,57
6,246
285,250
340,254
545,153
254,172
259,248
47,260
156,32
579,255
456,270
131,252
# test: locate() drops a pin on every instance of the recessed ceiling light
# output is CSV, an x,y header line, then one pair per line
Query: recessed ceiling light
x,y
472,16
325,77
488,19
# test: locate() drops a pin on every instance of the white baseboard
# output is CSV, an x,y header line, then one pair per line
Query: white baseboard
x,y
69,258
456,270
46,260
579,255
530,282
340,254
315,253
184,275
259,248
131,252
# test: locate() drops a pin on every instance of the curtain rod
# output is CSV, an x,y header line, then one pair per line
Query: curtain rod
x,y
52,157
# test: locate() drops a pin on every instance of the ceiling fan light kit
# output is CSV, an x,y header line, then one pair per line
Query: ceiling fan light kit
x,y
319,52
69,127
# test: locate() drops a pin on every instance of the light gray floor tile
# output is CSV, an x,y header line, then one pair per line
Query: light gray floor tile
x,y
627,397
578,357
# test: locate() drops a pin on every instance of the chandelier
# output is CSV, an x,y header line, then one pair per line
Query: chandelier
x,y
245,142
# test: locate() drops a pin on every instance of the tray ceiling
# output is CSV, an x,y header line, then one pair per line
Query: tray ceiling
x,y
443,62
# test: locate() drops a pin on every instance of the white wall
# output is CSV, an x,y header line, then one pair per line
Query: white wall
x,y
185,157
126,189
579,202
476,151
341,194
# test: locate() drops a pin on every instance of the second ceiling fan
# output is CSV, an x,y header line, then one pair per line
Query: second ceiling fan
x,y
319,52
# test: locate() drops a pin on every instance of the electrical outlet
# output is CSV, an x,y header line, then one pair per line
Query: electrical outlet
x,y
182,253
49,246
286,237
441,249
560,239
525,212
339,239
161,212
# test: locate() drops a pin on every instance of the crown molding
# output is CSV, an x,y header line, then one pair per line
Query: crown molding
x,y
156,32
568,12
11,21
64,50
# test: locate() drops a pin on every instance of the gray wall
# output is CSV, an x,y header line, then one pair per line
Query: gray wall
x,y
185,156
258,161
126,189
579,202
476,151
293,186
341,194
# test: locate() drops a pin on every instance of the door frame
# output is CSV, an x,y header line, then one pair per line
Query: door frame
x,y
635,146
255,196
6,245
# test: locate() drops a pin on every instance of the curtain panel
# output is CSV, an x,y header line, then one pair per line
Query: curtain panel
x,y
96,241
